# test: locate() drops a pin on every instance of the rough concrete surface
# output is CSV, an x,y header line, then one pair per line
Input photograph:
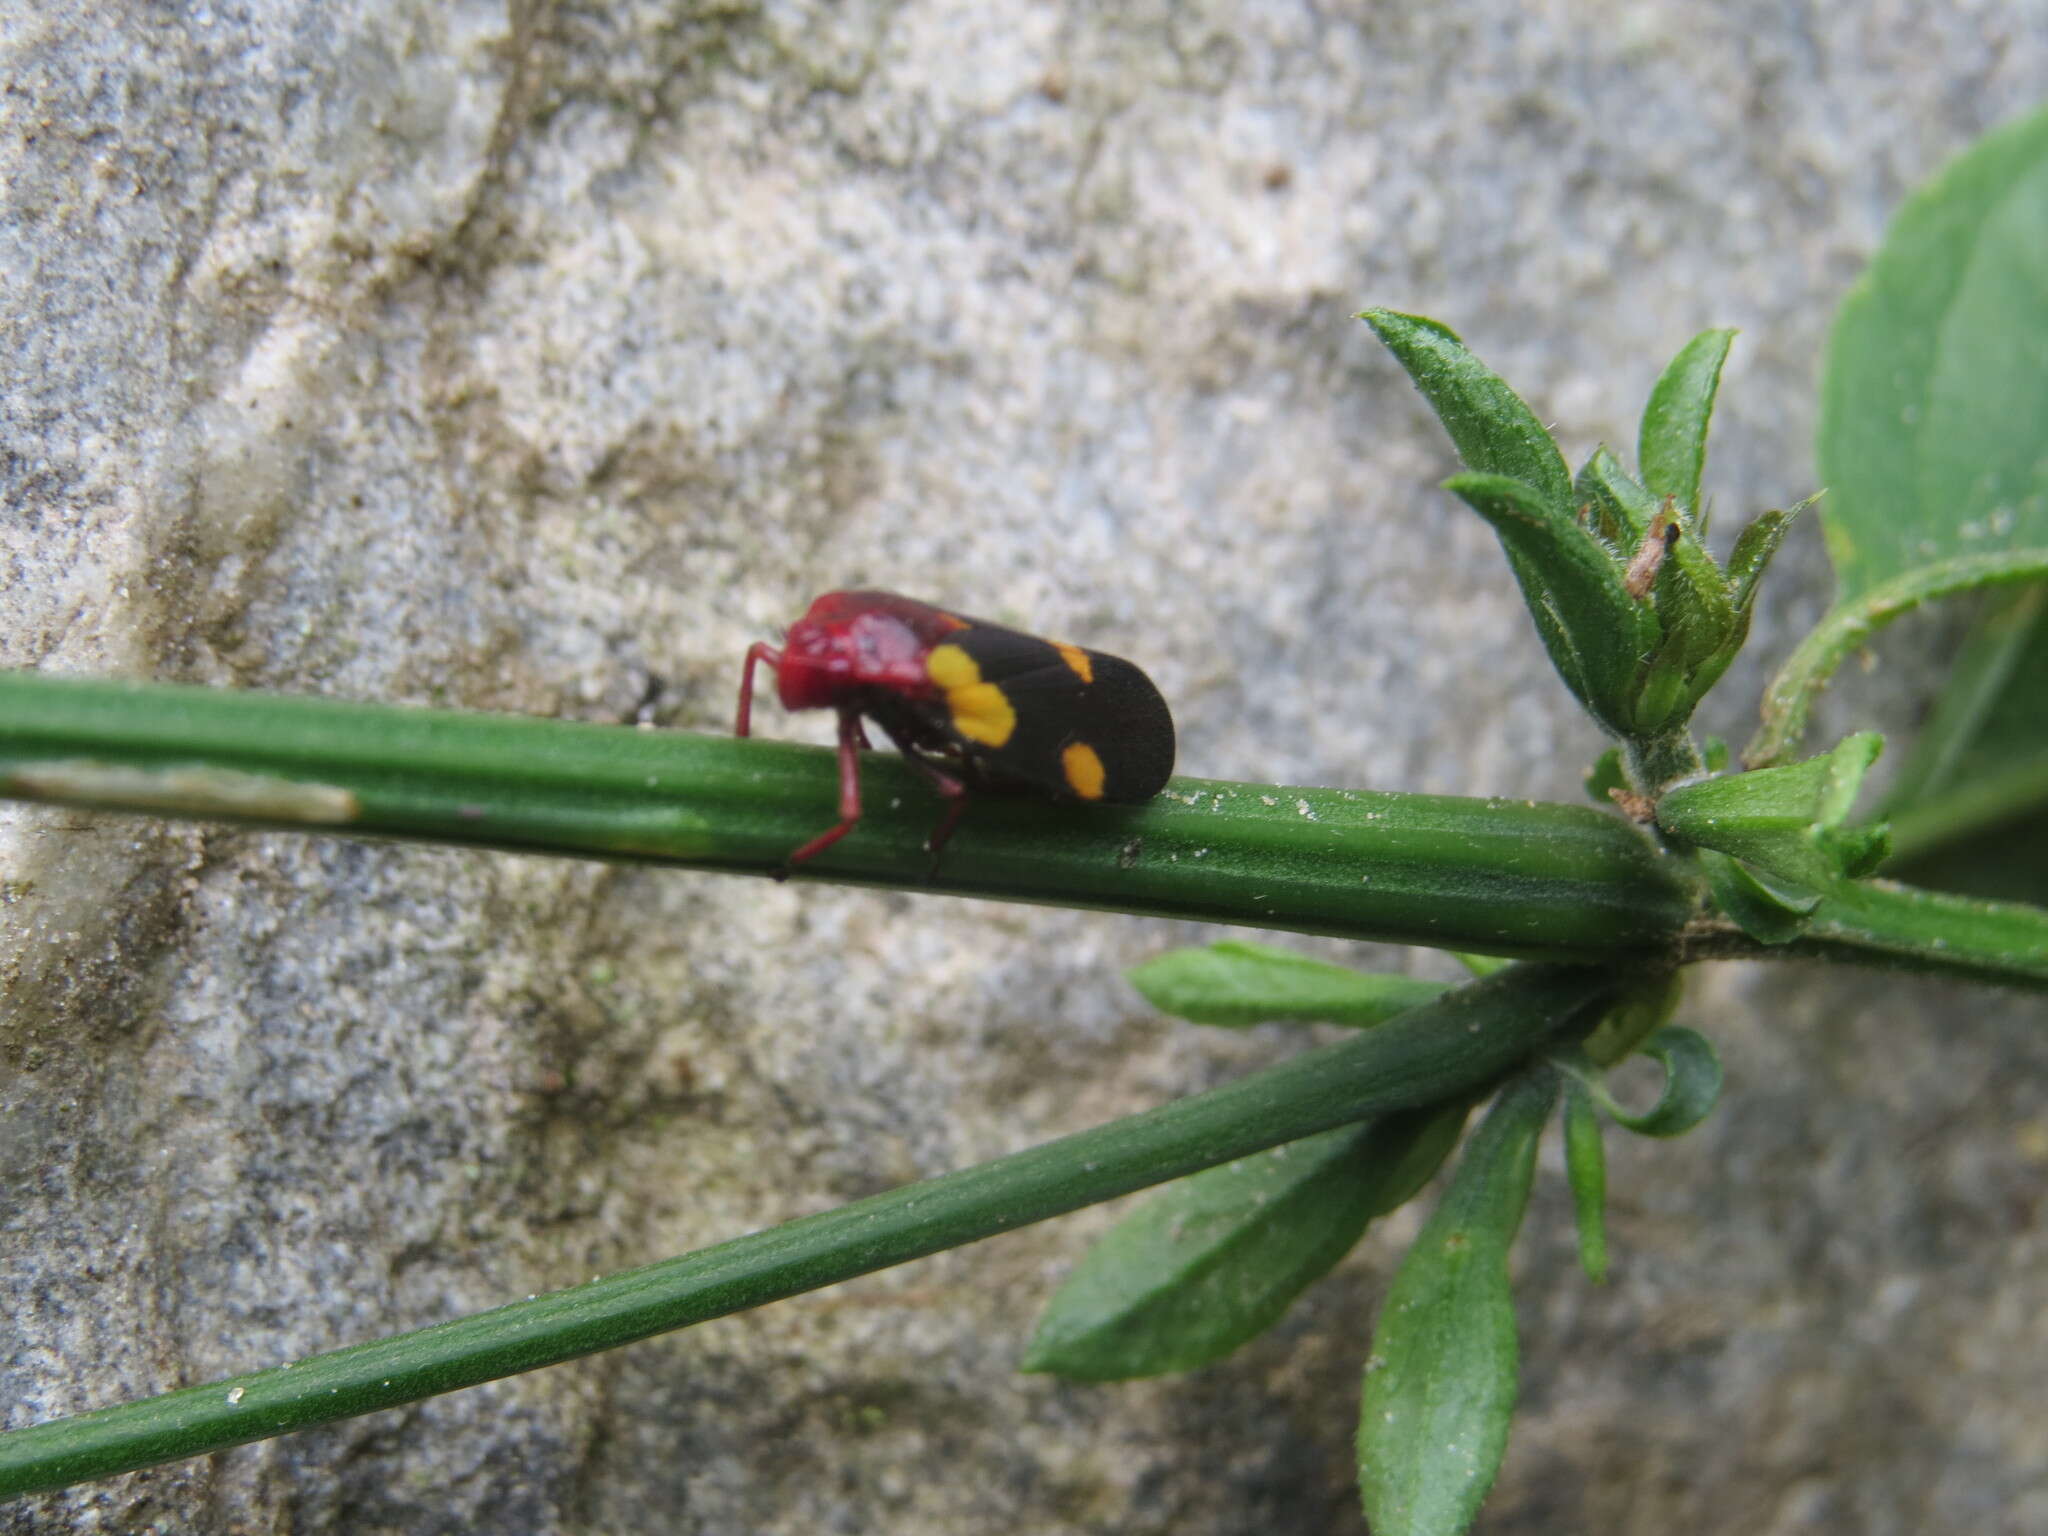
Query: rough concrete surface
x,y
538,357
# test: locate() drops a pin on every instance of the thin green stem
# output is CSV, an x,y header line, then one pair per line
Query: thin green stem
x,y
1509,877
1442,1051
1654,762
1790,696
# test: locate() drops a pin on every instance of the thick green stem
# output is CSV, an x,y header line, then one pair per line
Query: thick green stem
x,y
1510,877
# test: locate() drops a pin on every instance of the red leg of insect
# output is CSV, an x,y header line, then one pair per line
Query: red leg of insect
x,y
955,792
851,739
942,779
758,651
936,843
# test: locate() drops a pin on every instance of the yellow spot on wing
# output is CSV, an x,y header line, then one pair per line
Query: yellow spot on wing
x,y
1083,768
980,710
1077,658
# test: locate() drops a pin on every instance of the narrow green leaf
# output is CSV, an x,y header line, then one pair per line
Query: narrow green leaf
x,y
1441,1053
1624,521
1935,387
1237,984
1595,632
1215,1259
1662,698
1585,1164
1494,431
1692,1085
1478,965
1714,753
1768,913
1671,446
1440,1386
1751,557
1789,822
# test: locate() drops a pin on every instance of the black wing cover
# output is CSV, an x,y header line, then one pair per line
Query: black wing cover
x,y
1117,711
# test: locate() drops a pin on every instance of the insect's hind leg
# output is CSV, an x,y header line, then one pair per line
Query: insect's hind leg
x,y
942,778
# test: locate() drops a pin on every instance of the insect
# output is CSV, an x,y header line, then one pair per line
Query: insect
x,y
971,705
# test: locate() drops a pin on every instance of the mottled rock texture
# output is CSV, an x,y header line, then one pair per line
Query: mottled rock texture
x,y
539,356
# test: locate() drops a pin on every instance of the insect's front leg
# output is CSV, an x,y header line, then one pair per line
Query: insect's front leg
x,y
851,739
758,651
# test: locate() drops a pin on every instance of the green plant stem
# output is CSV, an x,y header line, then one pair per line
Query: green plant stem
x,y
1510,877
1899,927
1656,761
1439,1052
1790,697
1879,921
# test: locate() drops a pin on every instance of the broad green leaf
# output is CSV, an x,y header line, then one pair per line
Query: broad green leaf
x,y
1981,761
1215,1259
1934,401
1692,1085
1585,1164
1440,1385
1671,446
1788,822
1934,398
1494,431
1980,713
1595,632
2006,862
1237,984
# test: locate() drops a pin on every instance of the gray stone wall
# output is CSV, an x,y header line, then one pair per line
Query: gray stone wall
x,y
538,357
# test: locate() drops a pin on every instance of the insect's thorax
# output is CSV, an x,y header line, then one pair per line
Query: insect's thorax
x,y
834,660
